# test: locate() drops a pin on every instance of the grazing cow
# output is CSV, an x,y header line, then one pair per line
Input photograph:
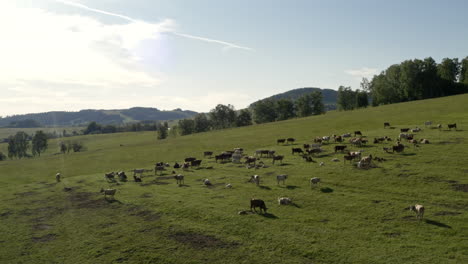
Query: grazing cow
x,y
110,176
206,182
278,157
284,201
122,176
405,136
236,158
355,154
398,148
186,165
254,203
255,179
228,186
140,171
207,153
419,210
159,168
386,124
348,157
281,177
338,139
297,150
189,159
402,130
314,181
439,126
346,135
428,123
250,159
271,153
281,140
318,140
367,159
290,140
179,178
321,164
450,126
306,146
159,164
417,129
424,141
110,192
176,165
307,158
357,133
264,152
340,148
326,139
136,178
57,177
195,163
356,141
313,151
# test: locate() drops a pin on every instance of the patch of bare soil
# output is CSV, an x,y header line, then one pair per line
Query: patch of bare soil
x,y
201,241
81,200
446,213
45,238
460,187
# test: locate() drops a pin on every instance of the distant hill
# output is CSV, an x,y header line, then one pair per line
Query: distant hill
x,y
330,96
119,116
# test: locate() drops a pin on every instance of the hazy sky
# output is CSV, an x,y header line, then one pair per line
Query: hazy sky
x,y
194,54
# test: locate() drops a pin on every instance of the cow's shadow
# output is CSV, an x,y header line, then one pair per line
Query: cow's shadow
x,y
268,215
439,224
263,187
326,190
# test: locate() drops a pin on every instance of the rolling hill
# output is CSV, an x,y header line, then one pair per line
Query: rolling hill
x,y
119,116
353,216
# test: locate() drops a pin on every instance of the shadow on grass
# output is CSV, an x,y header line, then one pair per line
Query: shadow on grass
x,y
264,187
184,185
439,224
285,164
292,187
326,190
296,205
268,215
113,201
408,154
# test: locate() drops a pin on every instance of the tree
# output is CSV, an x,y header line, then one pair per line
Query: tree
x,y
186,126
18,145
449,69
264,111
318,107
362,99
464,71
244,118
162,131
202,123
304,105
285,109
346,98
109,129
223,116
2,156
39,143
63,147
92,128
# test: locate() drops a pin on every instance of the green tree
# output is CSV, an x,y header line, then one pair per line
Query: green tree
x,y
449,69
63,147
18,145
264,111
186,126
2,156
362,99
304,105
162,131
202,123
285,109
223,116
92,128
318,107
39,143
346,98
244,118
464,71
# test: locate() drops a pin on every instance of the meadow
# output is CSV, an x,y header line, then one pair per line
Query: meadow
x,y
353,216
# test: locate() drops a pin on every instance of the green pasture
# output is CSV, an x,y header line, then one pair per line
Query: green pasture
x,y
353,216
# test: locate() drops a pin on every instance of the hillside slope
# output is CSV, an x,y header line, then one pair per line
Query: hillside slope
x,y
353,216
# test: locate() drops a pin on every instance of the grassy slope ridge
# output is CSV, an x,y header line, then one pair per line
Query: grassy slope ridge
x,y
357,218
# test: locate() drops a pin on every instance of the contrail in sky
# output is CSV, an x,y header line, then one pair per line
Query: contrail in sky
x,y
226,44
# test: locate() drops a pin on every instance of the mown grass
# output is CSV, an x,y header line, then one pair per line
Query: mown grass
x,y
354,216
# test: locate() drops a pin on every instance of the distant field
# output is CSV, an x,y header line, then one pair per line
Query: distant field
x,y
6,132
353,216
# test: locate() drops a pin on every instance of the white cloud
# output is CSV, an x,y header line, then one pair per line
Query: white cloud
x,y
362,73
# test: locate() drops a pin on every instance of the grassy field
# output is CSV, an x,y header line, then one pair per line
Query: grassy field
x,y
354,216
6,132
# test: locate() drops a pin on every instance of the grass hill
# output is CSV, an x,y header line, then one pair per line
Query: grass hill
x,y
330,96
354,216
63,118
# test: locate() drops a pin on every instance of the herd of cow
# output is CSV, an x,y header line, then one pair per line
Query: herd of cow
x,y
310,150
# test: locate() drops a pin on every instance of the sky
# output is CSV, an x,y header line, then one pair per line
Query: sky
x,y
58,55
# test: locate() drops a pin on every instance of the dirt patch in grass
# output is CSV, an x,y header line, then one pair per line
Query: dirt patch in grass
x,y
48,210
81,200
446,213
145,214
45,238
201,241
460,187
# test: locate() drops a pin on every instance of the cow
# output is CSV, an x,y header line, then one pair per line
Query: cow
x,y
189,159
207,153
424,141
57,177
255,179
357,132
340,148
318,140
419,210
405,136
307,158
306,146
338,139
176,165
326,139
122,176
110,192
403,130
386,124
450,126
206,182
110,176
313,151
179,178
195,163
250,159
348,157
281,177
284,201
278,157
398,148
159,168
254,203
281,140
346,135
314,181
290,140
136,178
297,150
